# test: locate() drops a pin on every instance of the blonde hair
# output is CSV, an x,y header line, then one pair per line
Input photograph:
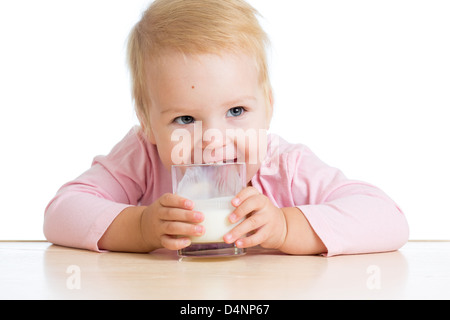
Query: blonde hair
x,y
193,27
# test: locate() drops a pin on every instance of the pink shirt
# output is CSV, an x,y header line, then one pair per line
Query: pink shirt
x,y
349,216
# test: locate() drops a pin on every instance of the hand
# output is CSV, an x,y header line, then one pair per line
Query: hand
x,y
169,222
265,223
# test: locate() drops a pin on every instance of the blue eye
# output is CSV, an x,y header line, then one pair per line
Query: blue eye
x,y
184,120
235,112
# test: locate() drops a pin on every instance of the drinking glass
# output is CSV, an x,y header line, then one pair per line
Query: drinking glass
x,y
211,187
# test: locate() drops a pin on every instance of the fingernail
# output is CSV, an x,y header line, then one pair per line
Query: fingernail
x,y
188,204
233,218
228,238
198,216
235,202
239,243
198,229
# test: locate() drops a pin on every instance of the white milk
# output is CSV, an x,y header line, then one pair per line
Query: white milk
x,y
216,222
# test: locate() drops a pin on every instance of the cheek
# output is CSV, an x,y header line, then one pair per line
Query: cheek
x,y
165,156
178,148
253,151
256,146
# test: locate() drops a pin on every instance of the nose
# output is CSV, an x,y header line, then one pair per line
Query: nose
x,y
215,145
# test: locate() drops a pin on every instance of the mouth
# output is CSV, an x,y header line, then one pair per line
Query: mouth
x,y
235,160
223,161
231,161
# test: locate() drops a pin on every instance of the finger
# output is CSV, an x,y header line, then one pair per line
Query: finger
x,y
244,195
174,243
175,201
250,224
175,214
255,239
175,228
251,204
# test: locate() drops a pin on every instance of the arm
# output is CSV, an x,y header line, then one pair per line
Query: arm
x,y
121,204
323,211
165,223
83,209
357,218
124,234
350,217
300,236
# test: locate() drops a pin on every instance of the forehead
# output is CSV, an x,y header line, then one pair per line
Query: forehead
x,y
206,75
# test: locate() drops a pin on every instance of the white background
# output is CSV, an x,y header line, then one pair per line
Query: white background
x,y
364,84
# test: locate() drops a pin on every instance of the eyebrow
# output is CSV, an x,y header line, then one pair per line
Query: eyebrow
x,y
174,110
235,102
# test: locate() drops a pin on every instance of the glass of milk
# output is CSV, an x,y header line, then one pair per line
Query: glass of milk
x,y
211,187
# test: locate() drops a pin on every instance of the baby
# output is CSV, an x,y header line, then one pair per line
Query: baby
x,y
202,94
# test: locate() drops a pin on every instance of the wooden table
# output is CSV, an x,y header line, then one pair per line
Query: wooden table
x,y
40,270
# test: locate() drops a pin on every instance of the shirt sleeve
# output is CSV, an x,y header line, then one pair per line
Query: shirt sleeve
x,y
350,217
84,208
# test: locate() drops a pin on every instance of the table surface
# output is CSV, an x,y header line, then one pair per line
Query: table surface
x,y
40,270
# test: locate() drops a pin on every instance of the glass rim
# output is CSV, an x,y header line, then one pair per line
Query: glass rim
x,y
207,164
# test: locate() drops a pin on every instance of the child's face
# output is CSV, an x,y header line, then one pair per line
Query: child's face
x,y
208,108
